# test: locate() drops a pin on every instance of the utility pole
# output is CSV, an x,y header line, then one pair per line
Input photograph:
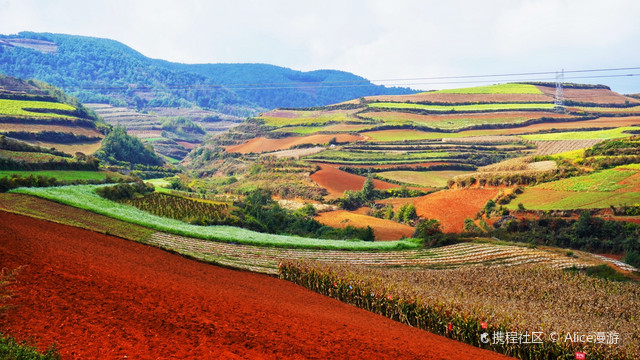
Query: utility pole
x,y
558,101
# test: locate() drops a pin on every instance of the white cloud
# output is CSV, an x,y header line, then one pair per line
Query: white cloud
x,y
378,39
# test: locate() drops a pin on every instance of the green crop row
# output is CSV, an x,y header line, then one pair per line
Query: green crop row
x,y
84,197
17,108
510,88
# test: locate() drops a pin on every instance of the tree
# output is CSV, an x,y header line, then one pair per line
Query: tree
x,y
367,191
427,228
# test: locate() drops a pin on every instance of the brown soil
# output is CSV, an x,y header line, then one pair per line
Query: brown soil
x,y
262,144
383,229
101,297
337,181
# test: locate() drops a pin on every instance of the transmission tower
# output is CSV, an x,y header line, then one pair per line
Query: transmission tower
x,y
558,101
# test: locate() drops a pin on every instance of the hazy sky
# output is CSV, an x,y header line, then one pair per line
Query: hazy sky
x,y
377,39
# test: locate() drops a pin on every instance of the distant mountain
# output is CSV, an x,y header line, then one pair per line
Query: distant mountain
x,y
106,71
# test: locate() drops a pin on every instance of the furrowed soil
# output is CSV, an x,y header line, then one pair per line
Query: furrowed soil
x,y
102,297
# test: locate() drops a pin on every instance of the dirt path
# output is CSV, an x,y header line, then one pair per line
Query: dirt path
x,y
101,297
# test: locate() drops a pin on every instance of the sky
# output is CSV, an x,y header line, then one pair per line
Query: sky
x,y
391,42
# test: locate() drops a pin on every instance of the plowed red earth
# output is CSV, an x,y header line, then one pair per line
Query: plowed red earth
x,y
102,297
337,181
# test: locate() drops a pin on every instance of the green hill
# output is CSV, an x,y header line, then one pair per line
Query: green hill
x,y
106,71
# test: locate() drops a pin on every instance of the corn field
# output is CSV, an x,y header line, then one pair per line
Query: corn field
x,y
182,208
466,302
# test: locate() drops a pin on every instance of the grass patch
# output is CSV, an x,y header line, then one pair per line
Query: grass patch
x,y
84,197
511,88
463,108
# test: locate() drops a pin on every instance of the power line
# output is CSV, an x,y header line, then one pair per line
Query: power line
x,y
452,80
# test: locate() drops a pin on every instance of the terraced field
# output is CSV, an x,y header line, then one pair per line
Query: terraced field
x,y
463,108
26,107
266,260
613,187
434,179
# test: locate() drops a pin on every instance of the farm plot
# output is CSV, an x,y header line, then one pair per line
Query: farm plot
x,y
335,128
337,181
87,148
463,108
620,132
36,128
383,229
261,144
551,147
376,157
634,110
32,157
116,299
455,122
434,179
23,107
613,187
266,260
465,302
282,118
62,174
598,96
84,197
451,207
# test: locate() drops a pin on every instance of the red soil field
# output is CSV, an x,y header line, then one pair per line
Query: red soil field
x,y
597,96
393,166
464,98
507,115
261,144
337,181
102,297
187,145
450,207
383,229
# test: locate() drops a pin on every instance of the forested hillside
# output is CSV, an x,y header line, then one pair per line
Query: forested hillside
x,y
106,71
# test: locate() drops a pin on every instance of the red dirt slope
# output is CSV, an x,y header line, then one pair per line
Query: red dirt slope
x,y
101,297
337,181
